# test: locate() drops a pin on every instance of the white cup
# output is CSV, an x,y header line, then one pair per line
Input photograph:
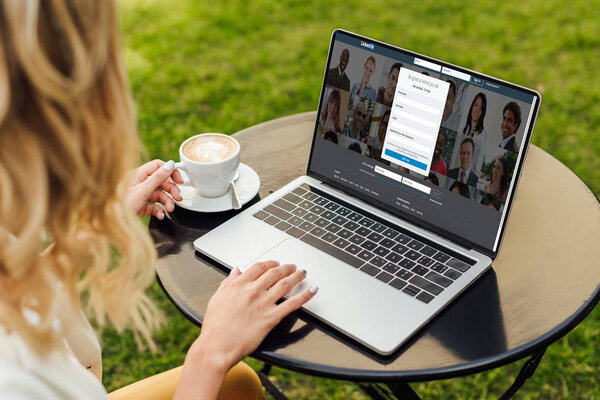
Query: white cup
x,y
210,178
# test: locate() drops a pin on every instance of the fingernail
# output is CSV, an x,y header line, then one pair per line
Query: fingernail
x,y
314,289
161,215
169,165
303,271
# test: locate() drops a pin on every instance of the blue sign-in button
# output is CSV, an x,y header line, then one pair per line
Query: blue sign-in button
x,y
406,160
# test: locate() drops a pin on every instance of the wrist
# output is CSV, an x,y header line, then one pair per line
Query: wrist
x,y
202,356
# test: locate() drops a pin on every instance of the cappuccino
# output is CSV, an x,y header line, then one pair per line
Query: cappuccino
x,y
210,148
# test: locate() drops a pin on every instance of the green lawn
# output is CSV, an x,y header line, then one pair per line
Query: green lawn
x,y
200,66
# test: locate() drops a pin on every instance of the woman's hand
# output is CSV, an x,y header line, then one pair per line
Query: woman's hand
x,y
150,185
239,316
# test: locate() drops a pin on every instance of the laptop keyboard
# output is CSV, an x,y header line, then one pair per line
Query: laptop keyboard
x,y
395,258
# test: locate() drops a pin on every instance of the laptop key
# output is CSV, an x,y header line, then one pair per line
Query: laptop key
x,y
363,231
381,251
354,217
391,268
318,231
332,206
402,238
317,210
397,283
351,225
299,212
305,204
404,274
261,214
425,285
398,248
365,255
333,228
369,269
390,233
426,261
343,211
441,268
341,243
369,245
345,233
452,274
376,237
328,215
286,205
425,297
378,261
282,226
306,226
310,196
295,232
322,222
278,212
366,222
419,269
299,191
339,220
353,249
321,201
415,245
310,217
459,265
384,277
292,198
439,279
271,220
387,243
413,255
441,257
428,251
406,263
357,239
329,237
332,250
377,227
393,257
411,290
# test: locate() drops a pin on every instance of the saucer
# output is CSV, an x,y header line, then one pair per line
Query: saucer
x,y
246,185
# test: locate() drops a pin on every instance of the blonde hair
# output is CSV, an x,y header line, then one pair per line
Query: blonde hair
x,y
67,139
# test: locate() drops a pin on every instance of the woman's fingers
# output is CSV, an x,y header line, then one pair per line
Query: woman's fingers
x,y
153,209
284,285
295,302
158,196
274,275
255,271
172,188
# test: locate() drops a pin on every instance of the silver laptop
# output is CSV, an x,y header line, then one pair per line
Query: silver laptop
x,y
412,172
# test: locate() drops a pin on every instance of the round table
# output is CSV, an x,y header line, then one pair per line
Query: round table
x,y
543,283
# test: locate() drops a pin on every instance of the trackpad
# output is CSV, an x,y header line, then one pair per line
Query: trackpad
x,y
348,299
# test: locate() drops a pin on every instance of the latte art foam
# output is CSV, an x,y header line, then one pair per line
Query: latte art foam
x,y
210,149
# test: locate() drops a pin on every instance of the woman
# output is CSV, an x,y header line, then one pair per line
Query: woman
x,y
330,116
385,95
67,138
439,165
474,125
498,185
363,88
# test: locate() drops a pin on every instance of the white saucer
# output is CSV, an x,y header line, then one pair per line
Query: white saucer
x,y
246,185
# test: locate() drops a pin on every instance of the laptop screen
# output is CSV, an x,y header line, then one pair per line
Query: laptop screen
x,y
426,140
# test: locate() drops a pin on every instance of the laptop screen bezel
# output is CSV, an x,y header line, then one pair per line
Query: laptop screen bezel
x,y
398,212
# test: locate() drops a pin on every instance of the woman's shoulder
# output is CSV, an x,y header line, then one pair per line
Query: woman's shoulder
x,y
27,374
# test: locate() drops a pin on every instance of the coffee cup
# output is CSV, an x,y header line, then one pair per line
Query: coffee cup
x,y
210,162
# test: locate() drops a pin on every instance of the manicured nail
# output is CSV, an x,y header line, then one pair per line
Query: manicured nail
x,y
304,272
169,165
161,215
314,289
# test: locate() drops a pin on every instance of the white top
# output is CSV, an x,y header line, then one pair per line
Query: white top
x,y
73,372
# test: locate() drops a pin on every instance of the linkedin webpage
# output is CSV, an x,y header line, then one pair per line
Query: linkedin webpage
x,y
434,142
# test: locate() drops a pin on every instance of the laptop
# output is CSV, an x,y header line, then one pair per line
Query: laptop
x,y
412,172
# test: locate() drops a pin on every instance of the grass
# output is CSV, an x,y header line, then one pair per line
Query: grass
x,y
199,66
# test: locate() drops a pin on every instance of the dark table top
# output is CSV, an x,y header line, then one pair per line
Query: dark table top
x,y
544,282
